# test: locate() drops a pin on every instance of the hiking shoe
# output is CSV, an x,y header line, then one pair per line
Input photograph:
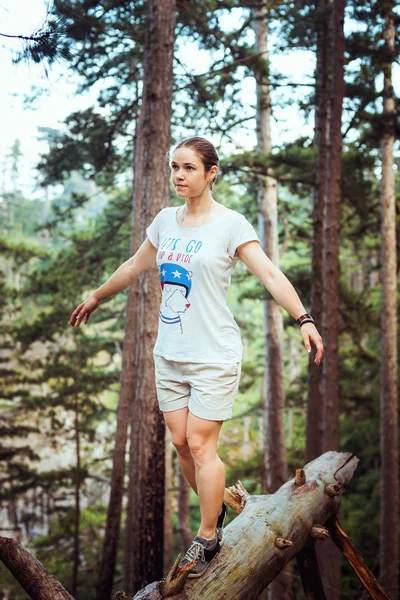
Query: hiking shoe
x,y
220,524
201,551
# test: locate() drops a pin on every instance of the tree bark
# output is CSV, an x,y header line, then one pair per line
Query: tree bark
x,y
389,542
125,402
184,528
267,202
314,426
357,563
328,555
309,573
331,235
145,513
30,573
169,503
274,403
76,547
269,531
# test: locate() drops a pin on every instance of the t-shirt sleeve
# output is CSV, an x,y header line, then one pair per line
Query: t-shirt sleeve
x,y
153,231
242,232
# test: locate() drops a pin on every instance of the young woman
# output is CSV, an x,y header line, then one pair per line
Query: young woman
x,y
198,351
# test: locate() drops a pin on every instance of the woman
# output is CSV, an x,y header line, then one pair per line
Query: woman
x,y
198,350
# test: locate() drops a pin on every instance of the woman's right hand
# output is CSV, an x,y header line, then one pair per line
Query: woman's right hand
x,y
85,308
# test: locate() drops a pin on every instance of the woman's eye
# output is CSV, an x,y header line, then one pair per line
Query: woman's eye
x,y
189,168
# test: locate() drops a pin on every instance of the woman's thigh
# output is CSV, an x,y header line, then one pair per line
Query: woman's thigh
x,y
176,421
202,434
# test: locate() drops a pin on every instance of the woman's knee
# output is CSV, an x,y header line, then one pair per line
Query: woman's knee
x,y
182,447
201,449
176,422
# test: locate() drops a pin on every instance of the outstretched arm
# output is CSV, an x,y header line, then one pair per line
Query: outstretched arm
x,y
282,290
119,280
128,271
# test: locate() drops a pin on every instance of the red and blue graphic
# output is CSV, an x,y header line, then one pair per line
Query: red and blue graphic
x,y
176,283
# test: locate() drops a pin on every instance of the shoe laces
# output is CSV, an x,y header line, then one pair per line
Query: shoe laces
x,y
194,552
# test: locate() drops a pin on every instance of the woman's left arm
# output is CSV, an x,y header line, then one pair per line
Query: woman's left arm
x,y
282,290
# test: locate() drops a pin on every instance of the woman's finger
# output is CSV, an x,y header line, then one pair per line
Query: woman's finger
x,y
72,320
317,341
79,317
307,344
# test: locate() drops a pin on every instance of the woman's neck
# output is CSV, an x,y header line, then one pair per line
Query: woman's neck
x,y
195,207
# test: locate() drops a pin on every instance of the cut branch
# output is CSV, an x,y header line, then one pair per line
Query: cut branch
x,y
355,560
30,573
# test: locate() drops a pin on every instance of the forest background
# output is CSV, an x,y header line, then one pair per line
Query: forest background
x,y
62,386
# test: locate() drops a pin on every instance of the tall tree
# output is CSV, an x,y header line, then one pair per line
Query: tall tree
x,y
184,529
274,452
145,514
125,403
314,426
78,480
389,541
335,46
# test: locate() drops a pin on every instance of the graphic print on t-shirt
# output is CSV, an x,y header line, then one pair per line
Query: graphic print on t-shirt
x,y
176,283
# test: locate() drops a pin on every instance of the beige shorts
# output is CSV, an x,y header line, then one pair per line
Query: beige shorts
x,y
208,390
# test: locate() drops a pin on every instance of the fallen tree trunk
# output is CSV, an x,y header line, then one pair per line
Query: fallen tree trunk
x,y
269,531
30,573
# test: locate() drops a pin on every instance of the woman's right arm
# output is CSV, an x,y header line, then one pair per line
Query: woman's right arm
x,y
119,280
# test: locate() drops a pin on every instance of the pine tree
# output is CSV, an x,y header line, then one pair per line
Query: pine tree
x,y
389,541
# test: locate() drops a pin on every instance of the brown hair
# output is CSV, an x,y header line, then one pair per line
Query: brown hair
x,y
204,149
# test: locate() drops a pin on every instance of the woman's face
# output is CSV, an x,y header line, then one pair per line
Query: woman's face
x,y
188,174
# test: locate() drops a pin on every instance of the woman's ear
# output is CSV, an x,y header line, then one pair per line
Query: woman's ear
x,y
213,173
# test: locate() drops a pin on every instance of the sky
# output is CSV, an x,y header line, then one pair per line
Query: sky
x,y
19,81
19,120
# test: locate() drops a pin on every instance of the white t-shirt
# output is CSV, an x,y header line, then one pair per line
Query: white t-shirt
x,y
195,266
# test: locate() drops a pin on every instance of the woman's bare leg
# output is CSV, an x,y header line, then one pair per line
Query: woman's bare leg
x,y
176,421
202,438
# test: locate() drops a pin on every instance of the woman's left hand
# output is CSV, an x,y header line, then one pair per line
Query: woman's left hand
x,y
310,334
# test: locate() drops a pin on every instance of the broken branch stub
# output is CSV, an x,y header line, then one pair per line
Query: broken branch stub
x,y
236,496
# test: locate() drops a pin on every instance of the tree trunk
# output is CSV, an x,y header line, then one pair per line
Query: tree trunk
x,y
314,427
145,513
246,445
184,510
274,404
126,396
30,573
169,503
331,236
309,573
329,557
269,531
296,511
269,232
389,543
76,547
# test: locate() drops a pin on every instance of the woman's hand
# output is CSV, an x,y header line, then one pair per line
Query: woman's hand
x,y
85,308
310,334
